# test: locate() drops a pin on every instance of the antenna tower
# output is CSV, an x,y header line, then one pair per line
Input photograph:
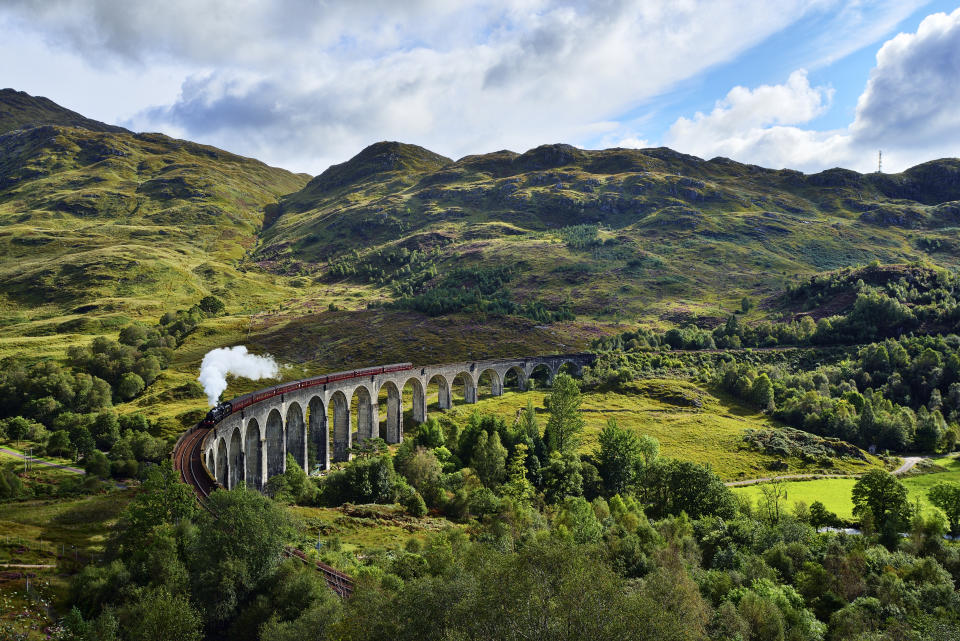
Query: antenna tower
x,y
880,161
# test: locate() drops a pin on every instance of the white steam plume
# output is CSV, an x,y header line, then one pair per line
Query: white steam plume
x,y
217,363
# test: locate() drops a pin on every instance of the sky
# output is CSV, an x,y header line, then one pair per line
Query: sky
x,y
303,84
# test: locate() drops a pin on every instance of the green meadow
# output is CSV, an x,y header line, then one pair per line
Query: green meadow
x,y
835,493
690,422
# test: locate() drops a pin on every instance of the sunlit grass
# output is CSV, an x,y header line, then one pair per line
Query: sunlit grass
x,y
835,494
711,434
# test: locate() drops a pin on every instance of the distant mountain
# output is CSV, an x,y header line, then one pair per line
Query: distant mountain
x,y
98,224
19,110
109,223
616,233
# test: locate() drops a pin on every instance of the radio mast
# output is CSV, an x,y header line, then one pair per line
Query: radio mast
x,y
880,161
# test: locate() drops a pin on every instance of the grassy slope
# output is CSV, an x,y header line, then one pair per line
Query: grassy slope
x,y
360,531
96,228
35,532
682,235
835,493
711,434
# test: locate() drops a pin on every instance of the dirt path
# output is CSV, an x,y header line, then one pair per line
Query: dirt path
x,y
75,470
909,462
28,566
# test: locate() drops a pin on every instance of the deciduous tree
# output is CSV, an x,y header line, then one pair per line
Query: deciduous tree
x,y
946,496
565,423
619,458
883,496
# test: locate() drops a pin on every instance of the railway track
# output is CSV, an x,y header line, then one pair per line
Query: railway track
x,y
188,460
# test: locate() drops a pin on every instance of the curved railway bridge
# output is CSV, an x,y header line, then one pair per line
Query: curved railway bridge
x,y
250,436
188,459
246,440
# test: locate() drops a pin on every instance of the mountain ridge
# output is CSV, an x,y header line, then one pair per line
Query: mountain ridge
x,y
19,109
910,183
101,226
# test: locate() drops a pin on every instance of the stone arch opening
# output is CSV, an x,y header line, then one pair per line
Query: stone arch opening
x,y
211,462
391,406
296,431
275,445
464,387
251,445
540,376
235,460
515,379
364,414
221,473
489,380
415,398
570,368
341,426
438,387
318,439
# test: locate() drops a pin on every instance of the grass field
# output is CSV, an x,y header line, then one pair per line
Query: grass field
x,y
66,533
835,493
50,478
6,459
81,523
666,409
349,533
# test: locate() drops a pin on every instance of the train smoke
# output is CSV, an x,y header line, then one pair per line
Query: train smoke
x,y
217,363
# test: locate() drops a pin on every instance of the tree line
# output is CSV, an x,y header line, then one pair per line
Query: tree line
x,y
882,302
661,551
67,410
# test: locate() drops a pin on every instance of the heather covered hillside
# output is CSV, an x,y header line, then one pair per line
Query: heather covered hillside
x,y
680,235
96,225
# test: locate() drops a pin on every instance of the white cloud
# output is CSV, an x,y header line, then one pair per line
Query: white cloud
x,y
913,95
306,84
630,142
908,109
744,110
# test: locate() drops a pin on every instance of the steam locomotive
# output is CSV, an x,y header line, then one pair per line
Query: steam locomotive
x,y
226,408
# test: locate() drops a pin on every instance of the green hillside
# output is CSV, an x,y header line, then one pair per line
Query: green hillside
x,y
405,253
612,234
97,227
746,324
20,110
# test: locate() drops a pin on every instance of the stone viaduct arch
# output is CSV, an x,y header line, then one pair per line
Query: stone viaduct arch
x,y
221,472
234,465
315,422
254,455
296,441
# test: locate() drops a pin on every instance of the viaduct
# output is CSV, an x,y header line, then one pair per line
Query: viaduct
x,y
251,445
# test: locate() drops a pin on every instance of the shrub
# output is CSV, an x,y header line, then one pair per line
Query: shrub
x,y
415,505
365,480
59,444
130,386
96,464
211,305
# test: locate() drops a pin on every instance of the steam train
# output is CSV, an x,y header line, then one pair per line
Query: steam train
x,y
226,408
